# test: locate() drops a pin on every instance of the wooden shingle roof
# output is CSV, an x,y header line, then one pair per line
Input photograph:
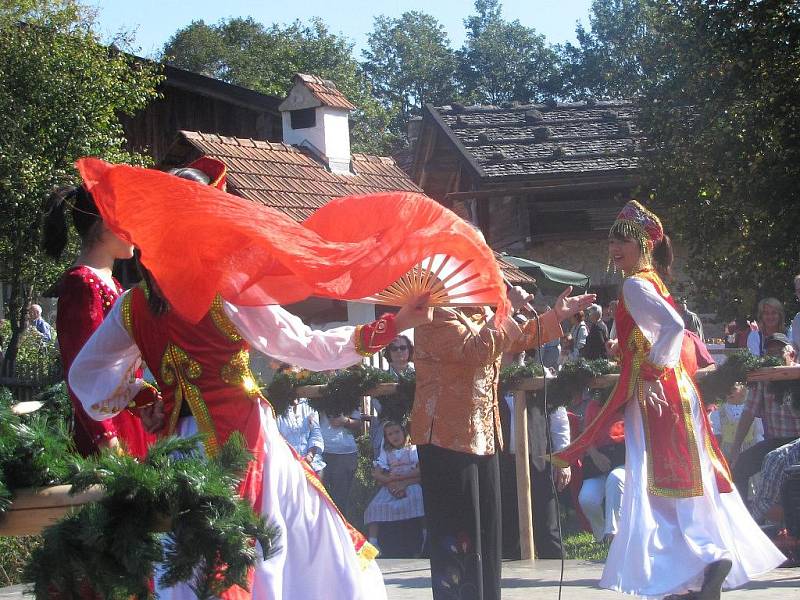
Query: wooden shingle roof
x,y
292,180
546,140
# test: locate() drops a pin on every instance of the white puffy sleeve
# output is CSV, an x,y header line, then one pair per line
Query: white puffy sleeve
x,y
559,429
658,321
103,375
278,333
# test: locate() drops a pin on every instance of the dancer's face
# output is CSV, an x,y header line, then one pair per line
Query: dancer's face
x,y
118,247
625,253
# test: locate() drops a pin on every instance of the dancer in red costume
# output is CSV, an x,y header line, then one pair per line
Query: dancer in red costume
x,y
683,529
86,293
201,358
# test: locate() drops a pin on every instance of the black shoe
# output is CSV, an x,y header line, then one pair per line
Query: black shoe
x,y
713,579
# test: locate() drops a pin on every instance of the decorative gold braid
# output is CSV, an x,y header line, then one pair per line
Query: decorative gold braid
x,y
237,372
127,315
221,320
178,369
358,341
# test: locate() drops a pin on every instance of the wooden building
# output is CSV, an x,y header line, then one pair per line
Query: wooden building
x,y
543,181
190,101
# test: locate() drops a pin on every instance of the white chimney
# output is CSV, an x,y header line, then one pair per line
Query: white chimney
x,y
316,116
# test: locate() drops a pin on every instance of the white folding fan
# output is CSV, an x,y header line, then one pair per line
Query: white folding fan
x,y
451,282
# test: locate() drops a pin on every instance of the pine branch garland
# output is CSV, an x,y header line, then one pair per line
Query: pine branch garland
x,y
112,543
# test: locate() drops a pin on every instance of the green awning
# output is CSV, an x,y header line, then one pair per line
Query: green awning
x,y
550,272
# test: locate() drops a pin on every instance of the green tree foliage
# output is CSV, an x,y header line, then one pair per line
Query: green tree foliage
x,y
61,92
722,111
245,52
409,62
504,61
610,58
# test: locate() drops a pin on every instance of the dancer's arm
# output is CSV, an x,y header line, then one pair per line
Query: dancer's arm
x,y
658,321
278,333
103,375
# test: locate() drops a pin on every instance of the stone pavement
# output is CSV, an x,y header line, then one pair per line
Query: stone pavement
x,y
409,579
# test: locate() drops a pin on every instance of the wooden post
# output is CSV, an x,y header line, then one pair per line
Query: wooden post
x,y
524,500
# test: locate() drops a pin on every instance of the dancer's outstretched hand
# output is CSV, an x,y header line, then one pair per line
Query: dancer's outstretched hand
x,y
566,305
416,312
654,396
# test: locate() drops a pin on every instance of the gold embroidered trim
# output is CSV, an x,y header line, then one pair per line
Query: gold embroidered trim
x,y
119,398
691,441
358,341
237,372
221,320
127,315
179,369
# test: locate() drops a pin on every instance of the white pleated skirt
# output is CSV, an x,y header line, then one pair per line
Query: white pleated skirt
x,y
316,559
664,544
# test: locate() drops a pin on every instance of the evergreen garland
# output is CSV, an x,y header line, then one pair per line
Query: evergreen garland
x,y
397,407
35,450
572,379
112,544
343,392
716,386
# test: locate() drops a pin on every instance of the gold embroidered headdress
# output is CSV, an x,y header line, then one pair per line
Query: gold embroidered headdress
x,y
638,223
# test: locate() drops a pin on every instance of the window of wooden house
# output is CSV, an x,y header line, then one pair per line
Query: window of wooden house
x,y
559,221
304,118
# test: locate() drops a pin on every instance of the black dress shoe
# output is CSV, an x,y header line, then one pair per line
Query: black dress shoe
x,y
713,579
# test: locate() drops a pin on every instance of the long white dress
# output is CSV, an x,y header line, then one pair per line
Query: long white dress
x,y
316,559
664,544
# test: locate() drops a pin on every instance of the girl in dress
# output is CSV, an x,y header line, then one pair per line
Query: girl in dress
x,y
86,293
683,525
299,425
397,470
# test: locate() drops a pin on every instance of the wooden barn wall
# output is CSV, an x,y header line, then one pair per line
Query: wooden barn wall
x,y
153,130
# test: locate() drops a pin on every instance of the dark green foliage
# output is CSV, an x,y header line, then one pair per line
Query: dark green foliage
x,y
397,407
34,450
62,93
715,386
410,63
572,379
280,391
56,403
344,391
511,375
504,61
264,57
113,545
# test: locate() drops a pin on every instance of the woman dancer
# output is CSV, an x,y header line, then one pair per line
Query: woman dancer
x,y
86,293
207,387
683,525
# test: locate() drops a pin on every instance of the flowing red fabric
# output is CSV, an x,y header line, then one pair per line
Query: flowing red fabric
x,y
198,241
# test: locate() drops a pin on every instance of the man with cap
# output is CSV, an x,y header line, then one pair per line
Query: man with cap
x,y
781,423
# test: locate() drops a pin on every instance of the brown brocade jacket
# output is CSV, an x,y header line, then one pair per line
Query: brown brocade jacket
x,y
457,360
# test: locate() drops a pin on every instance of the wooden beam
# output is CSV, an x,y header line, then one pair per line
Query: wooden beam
x,y
524,497
509,191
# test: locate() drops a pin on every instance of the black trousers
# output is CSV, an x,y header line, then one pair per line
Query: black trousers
x,y
750,461
461,493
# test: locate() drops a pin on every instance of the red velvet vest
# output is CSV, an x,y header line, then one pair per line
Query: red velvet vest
x,y
206,366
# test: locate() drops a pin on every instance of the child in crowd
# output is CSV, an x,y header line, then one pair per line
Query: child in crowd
x,y
725,419
397,470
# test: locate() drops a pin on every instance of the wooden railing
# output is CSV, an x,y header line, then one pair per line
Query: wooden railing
x,y
32,510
